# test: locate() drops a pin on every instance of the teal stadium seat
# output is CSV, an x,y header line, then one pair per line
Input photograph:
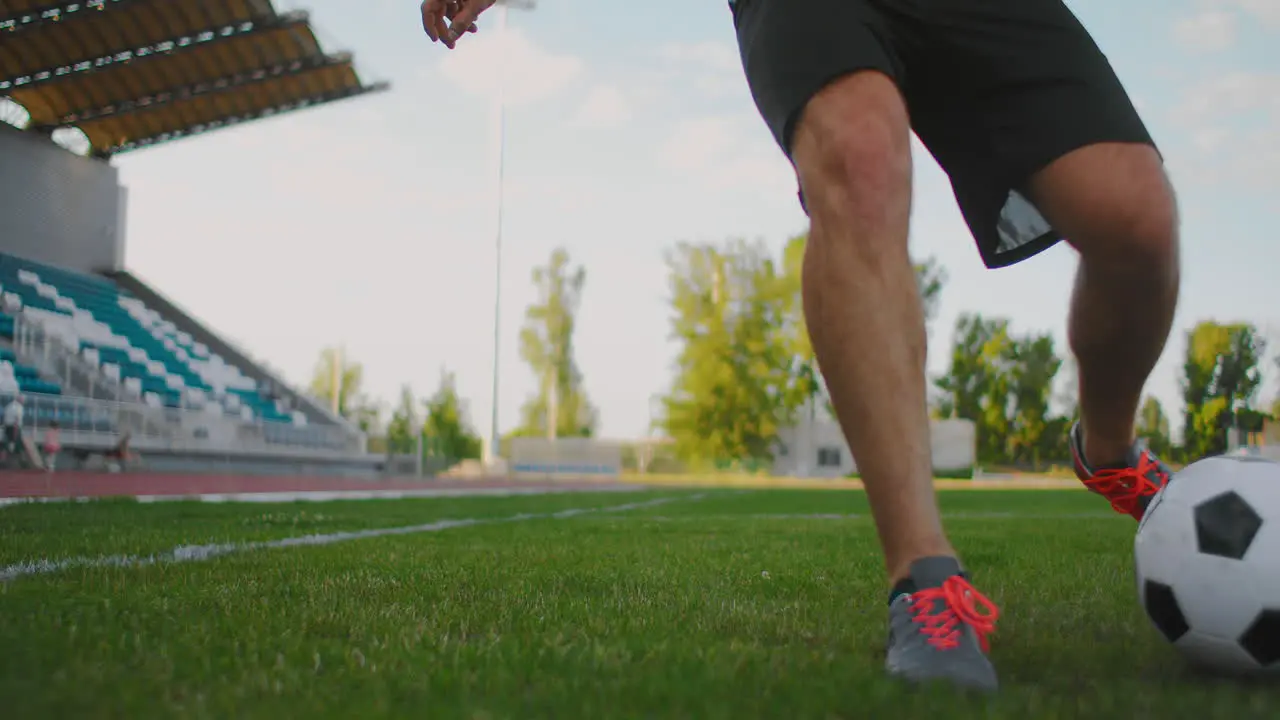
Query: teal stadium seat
x,y
129,341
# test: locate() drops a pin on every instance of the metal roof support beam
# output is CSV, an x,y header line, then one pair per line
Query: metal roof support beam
x,y
217,86
56,12
302,104
160,49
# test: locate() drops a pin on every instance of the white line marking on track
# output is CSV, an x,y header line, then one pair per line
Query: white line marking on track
x,y
195,553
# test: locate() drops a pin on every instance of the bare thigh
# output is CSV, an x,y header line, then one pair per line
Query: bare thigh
x,y
1110,200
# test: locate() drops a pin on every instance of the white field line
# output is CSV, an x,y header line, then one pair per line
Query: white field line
x,y
330,495
962,515
196,553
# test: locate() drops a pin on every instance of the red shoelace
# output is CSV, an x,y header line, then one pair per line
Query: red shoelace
x,y
1124,488
961,605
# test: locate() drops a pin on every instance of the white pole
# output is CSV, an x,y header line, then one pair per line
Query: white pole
x,y
491,451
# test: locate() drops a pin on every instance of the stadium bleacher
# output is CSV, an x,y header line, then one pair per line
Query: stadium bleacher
x,y
153,360
15,377
86,342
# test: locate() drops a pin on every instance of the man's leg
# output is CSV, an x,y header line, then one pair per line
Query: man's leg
x,y
821,72
852,152
1114,204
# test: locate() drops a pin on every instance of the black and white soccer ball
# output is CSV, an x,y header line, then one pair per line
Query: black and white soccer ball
x,y
1207,557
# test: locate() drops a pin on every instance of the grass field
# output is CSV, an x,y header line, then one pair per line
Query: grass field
x,y
688,604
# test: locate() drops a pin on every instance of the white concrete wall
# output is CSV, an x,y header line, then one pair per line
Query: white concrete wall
x,y
59,208
817,449
534,458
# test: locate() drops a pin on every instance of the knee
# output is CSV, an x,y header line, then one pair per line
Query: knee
x,y
852,152
1141,229
1114,204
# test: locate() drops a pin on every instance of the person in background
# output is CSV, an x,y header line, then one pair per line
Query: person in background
x,y
52,445
119,456
13,413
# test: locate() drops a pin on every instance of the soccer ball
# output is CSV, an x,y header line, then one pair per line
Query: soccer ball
x,y
1207,557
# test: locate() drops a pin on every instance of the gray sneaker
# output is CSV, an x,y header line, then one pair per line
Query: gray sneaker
x,y
938,631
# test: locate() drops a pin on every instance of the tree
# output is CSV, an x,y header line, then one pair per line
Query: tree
x,y
1221,378
1035,434
736,370
546,344
403,429
930,277
1004,384
977,383
336,374
808,389
446,431
1153,426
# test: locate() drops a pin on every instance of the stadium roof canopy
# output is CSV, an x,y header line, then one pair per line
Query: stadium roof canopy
x,y
134,73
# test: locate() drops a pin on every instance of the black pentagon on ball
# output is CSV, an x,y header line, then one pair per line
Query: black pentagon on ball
x,y
1163,608
1226,525
1262,639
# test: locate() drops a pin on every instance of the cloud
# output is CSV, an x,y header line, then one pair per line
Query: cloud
x,y
1233,126
1231,95
1207,30
710,67
697,143
721,152
716,56
531,73
1267,11
605,105
1215,24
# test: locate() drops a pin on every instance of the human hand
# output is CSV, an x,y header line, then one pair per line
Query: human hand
x,y
447,20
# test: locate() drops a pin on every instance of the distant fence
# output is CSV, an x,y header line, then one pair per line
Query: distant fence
x,y
567,457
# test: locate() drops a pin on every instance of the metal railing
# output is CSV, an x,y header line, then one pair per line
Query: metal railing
x,y
50,354
89,423
99,411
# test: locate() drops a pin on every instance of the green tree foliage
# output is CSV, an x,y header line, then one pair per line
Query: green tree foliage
x,y
349,376
446,431
1221,378
807,384
404,426
930,277
974,378
362,411
1034,434
1004,384
546,344
1153,425
736,371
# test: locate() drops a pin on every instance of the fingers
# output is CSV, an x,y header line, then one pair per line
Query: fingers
x,y
433,19
464,20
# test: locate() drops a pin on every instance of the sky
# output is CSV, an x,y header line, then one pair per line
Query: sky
x,y
371,223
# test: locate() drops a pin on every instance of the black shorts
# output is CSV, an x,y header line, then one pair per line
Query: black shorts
x,y
996,89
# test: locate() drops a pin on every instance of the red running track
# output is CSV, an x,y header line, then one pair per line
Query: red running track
x,y
99,484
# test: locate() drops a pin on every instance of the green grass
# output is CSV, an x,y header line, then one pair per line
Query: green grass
x,y
710,608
